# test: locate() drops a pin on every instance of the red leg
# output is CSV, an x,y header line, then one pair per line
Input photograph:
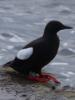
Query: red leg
x,y
37,78
44,78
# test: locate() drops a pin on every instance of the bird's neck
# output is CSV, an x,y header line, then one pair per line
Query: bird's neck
x,y
50,36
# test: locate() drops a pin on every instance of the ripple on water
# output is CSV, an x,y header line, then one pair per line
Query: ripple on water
x,y
8,19
7,35
67,52
12,37
64,9
59,63
10,47
68,74
55,4
17,39
18,47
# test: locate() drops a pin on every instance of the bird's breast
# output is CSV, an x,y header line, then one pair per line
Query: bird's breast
x,y
48,50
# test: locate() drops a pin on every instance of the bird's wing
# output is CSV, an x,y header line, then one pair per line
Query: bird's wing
x,y
24,54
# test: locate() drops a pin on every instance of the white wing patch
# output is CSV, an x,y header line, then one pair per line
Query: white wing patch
x,y
24,54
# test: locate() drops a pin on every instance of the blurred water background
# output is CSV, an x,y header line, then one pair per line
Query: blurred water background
x,y
24,20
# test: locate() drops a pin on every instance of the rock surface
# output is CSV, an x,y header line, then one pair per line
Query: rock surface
x,y
15,87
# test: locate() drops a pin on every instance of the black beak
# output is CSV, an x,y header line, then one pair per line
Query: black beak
x,y
67,27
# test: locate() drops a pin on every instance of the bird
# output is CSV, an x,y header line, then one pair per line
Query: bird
x,y
30,60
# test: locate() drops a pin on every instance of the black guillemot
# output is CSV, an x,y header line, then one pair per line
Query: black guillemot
x,y
38,53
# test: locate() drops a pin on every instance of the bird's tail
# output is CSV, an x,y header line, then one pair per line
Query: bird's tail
x,y
8,64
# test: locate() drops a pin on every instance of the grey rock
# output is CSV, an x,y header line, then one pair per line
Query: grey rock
x,y
15,87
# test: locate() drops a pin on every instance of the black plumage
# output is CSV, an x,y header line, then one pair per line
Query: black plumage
x,y
44,50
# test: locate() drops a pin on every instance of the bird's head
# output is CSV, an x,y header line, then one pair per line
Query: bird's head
x,y
54,26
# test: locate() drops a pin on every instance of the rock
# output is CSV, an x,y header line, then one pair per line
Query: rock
x,y
14,87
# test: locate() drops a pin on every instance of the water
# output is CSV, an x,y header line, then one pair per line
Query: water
x,y
24,20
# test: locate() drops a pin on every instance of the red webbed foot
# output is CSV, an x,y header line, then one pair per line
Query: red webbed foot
x,y
50,77
43,78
